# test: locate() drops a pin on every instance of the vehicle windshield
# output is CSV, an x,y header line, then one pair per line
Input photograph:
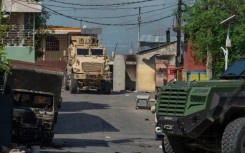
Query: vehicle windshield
x,y
237,69
97,51
24,99
82,51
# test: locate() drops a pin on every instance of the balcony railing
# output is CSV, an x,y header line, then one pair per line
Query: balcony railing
x,y
19,35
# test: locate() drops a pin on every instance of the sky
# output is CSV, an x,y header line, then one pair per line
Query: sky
x,y
117,18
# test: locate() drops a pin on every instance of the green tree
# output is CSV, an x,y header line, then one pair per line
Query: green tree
x,y
3,59
41,20
203,28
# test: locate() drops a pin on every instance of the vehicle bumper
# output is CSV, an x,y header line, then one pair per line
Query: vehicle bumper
x,y
91,77
189,126
30,133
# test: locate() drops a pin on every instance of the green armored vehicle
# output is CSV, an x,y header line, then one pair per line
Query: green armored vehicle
x,y
203,116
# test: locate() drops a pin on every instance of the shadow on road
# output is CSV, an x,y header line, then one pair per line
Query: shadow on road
x,y
75,123
68,106
61,143
101,93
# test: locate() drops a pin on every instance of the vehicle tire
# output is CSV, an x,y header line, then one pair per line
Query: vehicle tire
x,y
73,87
233,139
66,81
107,87
48,140
173,144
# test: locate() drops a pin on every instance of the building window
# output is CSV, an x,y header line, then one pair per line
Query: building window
x,y
52,44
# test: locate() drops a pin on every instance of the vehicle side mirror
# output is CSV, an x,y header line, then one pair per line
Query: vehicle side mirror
x,y
72,54
113,54
64,53
59,102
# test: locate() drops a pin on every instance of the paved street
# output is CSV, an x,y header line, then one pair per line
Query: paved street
x,y
97,123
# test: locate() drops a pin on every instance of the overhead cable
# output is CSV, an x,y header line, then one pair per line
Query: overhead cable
x,y
136,14
102,8
113,4
97,23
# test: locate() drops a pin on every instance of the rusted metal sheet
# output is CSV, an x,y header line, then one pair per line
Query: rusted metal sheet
x,y
40,76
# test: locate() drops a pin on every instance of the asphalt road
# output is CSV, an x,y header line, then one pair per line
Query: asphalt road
x,y
97,123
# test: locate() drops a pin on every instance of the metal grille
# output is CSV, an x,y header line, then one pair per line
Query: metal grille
x,y
200,91
19,33
172,102
92,67
198,99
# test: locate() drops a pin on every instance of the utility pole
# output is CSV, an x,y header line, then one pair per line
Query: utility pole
x,y
139,23
178,26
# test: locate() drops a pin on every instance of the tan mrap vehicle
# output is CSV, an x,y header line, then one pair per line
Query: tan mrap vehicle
x,y
87,65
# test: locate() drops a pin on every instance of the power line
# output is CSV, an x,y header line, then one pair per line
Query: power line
x,y
106,24
113,4
101,8
97,23
110,17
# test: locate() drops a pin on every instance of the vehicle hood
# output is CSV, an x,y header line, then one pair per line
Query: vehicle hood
x,y
209,83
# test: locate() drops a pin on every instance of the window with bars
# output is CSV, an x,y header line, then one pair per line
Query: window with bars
x,y
52,44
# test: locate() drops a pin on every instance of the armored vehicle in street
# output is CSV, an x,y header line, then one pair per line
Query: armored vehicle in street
x,y
87,65
37,98
196,116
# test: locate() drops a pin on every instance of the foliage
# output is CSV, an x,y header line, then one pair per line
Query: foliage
x,y
41,20
204,30
3,59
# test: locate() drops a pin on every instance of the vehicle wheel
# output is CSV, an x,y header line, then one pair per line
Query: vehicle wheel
x,y
107,87
66,81
73,87
172,144
48,140
233,139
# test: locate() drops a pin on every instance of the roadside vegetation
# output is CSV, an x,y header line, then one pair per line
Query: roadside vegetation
x,y
3,60
202,26
41,20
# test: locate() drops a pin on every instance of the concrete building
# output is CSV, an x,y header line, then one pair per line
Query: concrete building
x,y
193,70
19,38
144,71
55,41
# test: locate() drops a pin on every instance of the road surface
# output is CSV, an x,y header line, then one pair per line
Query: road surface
x,y
97,123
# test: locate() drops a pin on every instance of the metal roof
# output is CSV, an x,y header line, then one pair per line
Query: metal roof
x,y
61,30
152,38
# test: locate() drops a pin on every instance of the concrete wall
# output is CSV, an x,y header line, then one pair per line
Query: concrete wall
x,y
130,77
189,62
161,73
145,74
56,55
119,69
25,53
195,75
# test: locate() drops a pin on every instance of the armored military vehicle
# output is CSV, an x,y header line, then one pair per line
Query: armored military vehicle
x,y
208,116
37,98
88,65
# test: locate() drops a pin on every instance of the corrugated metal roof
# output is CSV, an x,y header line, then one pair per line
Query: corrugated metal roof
x,y
61,30
152,38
